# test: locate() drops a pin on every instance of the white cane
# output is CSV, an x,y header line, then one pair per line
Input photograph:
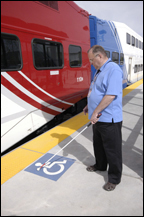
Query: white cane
x,y
67,144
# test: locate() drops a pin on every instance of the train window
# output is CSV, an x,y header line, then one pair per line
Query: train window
x,y
108,53
136,42
47,54
11,58
128,38
121,58
75,56
140,44
135,69
52,4
133,41
115,57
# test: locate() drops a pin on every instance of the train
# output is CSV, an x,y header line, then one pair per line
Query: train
x,y
45,68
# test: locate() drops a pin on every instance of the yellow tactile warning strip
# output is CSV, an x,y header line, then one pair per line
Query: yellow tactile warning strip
x,y
48,140
132,87
20,158
15,161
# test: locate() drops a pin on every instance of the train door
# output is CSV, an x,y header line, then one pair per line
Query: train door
x,y
129,69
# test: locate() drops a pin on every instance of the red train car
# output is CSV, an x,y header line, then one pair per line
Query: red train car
x,y
44,63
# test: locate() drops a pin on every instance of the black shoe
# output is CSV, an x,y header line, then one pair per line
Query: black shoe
x,y
91,168
109,186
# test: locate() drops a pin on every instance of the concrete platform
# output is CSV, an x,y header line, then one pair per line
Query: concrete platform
x,y
78,192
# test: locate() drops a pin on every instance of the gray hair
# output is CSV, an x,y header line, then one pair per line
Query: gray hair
x,y
96,49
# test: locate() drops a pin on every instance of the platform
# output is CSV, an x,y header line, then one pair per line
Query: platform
x,y
66,188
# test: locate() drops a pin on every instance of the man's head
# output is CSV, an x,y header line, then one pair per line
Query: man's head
x,y
97,56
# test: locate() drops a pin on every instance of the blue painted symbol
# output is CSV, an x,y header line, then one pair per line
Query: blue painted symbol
x,y
52,170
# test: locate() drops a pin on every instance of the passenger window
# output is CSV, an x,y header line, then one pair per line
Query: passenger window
x,y
133,41
139,68
11,58
115,57
128,38
135,69
75,56
108,53
136,42
121,58
140,44
47,54
52,4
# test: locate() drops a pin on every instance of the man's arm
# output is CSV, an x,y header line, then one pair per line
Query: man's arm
x,y
107,99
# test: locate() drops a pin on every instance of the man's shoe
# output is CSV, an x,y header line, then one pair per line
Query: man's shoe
x,y
91,168
109,186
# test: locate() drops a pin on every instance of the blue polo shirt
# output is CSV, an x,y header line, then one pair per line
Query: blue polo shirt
x,y
108,82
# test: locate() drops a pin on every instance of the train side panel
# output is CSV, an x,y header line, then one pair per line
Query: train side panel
x,y
33,94
104,33
133,51
112,36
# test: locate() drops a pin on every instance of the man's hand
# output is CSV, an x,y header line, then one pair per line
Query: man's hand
x,y
95,117
85,110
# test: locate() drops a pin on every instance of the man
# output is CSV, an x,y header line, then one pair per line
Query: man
x,y
105,97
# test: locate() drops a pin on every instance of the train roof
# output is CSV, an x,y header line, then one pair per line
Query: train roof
x,y
58,20
119,26
79,9
129,30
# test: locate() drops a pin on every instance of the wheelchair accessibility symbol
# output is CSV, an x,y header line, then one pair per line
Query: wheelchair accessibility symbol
x,y
52,170
45,167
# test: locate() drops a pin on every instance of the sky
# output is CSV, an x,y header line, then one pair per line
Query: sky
x,y
128,12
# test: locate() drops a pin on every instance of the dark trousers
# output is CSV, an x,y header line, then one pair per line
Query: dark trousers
x,y
107,142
